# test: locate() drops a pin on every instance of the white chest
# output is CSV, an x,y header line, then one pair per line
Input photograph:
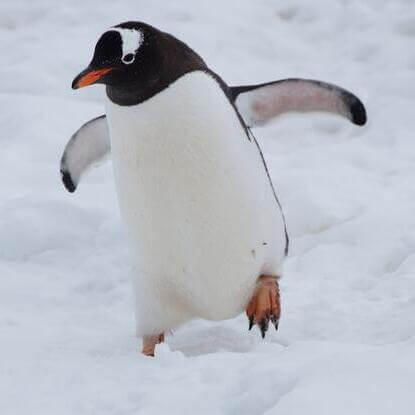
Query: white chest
x,y
194,195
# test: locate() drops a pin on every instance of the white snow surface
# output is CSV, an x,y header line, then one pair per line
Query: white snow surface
x,y
346,343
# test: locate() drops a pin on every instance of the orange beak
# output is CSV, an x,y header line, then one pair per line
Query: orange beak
x,y
89,77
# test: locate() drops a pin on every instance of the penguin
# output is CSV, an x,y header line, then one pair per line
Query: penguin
x,y
206,232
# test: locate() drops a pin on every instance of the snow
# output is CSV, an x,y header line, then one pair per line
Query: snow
x,y
346,343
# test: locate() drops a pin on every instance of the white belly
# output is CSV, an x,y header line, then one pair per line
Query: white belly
x,y
200,213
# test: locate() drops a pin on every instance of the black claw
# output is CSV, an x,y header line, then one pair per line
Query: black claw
x,y
251,322
264,326
275,321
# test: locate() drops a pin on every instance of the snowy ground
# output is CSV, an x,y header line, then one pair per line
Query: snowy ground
x,y
346,343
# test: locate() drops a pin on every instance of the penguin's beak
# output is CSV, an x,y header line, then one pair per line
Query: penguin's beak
x,y
89,76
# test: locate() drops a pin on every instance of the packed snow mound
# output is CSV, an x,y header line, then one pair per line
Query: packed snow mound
x,y
346,343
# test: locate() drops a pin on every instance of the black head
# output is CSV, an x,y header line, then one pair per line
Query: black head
x,y
135,61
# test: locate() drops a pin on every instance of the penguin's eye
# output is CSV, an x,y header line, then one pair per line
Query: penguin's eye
x,y
128,58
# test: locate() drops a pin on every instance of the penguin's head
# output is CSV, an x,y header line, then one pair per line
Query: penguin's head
x,y
125,53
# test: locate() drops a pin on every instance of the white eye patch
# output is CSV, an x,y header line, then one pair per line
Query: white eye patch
x,y
131,40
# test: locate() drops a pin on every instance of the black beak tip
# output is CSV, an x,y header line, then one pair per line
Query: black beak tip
x,y
75,83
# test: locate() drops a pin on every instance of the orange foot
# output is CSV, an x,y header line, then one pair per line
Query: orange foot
x,y
265,304
150,342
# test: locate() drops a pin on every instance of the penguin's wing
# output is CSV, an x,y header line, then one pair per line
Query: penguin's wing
x,y
87,147
258,104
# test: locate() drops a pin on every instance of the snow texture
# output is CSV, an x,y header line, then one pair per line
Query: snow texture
x,y
346,343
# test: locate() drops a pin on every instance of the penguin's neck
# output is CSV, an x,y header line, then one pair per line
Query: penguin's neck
x,y
135,93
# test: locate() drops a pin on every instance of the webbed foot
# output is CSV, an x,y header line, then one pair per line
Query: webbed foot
x,y
150,342
265,304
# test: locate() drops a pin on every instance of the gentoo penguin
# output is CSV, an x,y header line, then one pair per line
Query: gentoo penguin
x,y
206,232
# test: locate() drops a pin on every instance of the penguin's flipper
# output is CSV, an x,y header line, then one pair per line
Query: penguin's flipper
x,y
258,104
88,146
